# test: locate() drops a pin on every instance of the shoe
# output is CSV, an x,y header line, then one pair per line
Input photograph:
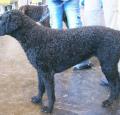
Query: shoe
x,y
104,82
82,66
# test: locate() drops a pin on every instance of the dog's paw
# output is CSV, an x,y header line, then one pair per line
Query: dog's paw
x,y
45,109
36,100
107,103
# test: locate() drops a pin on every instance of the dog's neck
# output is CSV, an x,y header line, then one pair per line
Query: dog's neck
x,y
22,34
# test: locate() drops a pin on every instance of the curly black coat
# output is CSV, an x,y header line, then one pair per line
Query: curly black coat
x,y
38,13
51,51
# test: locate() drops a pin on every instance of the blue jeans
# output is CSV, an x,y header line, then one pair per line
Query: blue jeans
x,y
72,10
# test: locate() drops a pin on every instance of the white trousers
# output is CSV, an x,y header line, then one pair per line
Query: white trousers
x,y
93,13
23,2
112,13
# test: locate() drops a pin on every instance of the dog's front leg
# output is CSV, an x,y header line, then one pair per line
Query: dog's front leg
x,y
49,85
41,89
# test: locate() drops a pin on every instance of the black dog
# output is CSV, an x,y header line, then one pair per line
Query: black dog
x,y
51,51
40,13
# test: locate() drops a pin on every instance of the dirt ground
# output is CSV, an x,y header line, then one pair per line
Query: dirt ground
x,y
77,92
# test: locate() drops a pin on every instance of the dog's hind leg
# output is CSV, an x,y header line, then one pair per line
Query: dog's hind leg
x,y
112,75
49,85
41,89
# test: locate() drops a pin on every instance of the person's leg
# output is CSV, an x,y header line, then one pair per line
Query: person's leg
x,y
2,9
93,18
93,13
72,10
109,7
56,14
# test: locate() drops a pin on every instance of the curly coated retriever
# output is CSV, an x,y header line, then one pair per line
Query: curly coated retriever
x,y
51,51
40,14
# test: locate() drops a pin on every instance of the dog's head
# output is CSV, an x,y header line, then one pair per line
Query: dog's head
x,y
10,21
24,9
37,13
34,12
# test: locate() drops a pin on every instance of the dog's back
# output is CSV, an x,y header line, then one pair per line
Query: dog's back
x,y
67,48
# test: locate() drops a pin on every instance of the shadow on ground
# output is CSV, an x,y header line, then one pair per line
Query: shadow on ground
x,y
77,92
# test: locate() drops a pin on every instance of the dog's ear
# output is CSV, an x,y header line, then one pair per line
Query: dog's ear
x,y
13,22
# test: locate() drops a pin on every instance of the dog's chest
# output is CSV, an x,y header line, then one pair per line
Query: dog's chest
x,y
31,55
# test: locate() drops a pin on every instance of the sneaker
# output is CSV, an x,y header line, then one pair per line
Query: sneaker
x,y
104,82
82,66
